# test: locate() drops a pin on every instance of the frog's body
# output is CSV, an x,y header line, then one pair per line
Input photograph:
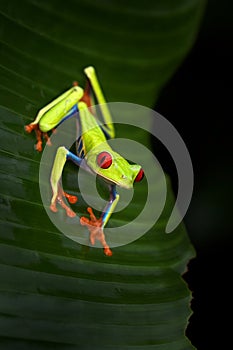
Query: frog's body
x,y
93,153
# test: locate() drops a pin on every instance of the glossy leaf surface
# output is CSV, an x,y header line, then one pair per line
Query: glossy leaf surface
x,y
53,291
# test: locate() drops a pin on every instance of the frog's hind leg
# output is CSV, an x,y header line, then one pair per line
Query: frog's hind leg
x,y
52,115
108,126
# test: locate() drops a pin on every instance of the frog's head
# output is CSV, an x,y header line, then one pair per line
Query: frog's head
x,y
114,168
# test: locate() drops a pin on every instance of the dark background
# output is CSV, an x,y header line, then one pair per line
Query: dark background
x,y
198,101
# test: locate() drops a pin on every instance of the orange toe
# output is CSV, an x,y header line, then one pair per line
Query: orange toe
x,y
53,207
107,251
28,128
71,199
84,221
49,143
38,146
70,213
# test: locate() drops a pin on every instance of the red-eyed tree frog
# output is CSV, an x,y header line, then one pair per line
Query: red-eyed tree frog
x,y
90,154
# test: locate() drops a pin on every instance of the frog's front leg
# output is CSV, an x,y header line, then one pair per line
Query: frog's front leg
x,y
96,226
61,157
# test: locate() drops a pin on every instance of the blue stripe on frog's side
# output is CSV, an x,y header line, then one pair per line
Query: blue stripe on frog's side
x,y
71,113
79,144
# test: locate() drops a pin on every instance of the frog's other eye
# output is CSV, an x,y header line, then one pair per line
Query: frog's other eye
x,y
104,160
139,176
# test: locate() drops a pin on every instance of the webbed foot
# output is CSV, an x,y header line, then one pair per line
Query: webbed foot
x,y
94,226
38,146
59,200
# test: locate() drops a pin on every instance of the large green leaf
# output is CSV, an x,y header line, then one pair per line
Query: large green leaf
x,y
55,293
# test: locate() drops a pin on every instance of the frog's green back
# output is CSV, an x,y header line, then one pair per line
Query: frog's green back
x,y
91,132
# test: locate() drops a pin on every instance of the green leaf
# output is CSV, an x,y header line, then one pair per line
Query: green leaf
x,y
55,293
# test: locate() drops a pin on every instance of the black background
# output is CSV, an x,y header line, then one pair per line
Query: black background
x,y
199,102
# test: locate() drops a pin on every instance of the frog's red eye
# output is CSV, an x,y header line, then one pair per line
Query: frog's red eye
x,y
104,160
139,176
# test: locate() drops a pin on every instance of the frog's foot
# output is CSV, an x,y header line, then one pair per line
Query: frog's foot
x,y
94,226
69,211
38,146
59,200
29,128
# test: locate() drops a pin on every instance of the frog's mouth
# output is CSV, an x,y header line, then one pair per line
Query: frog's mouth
x,y
124,184
124,181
